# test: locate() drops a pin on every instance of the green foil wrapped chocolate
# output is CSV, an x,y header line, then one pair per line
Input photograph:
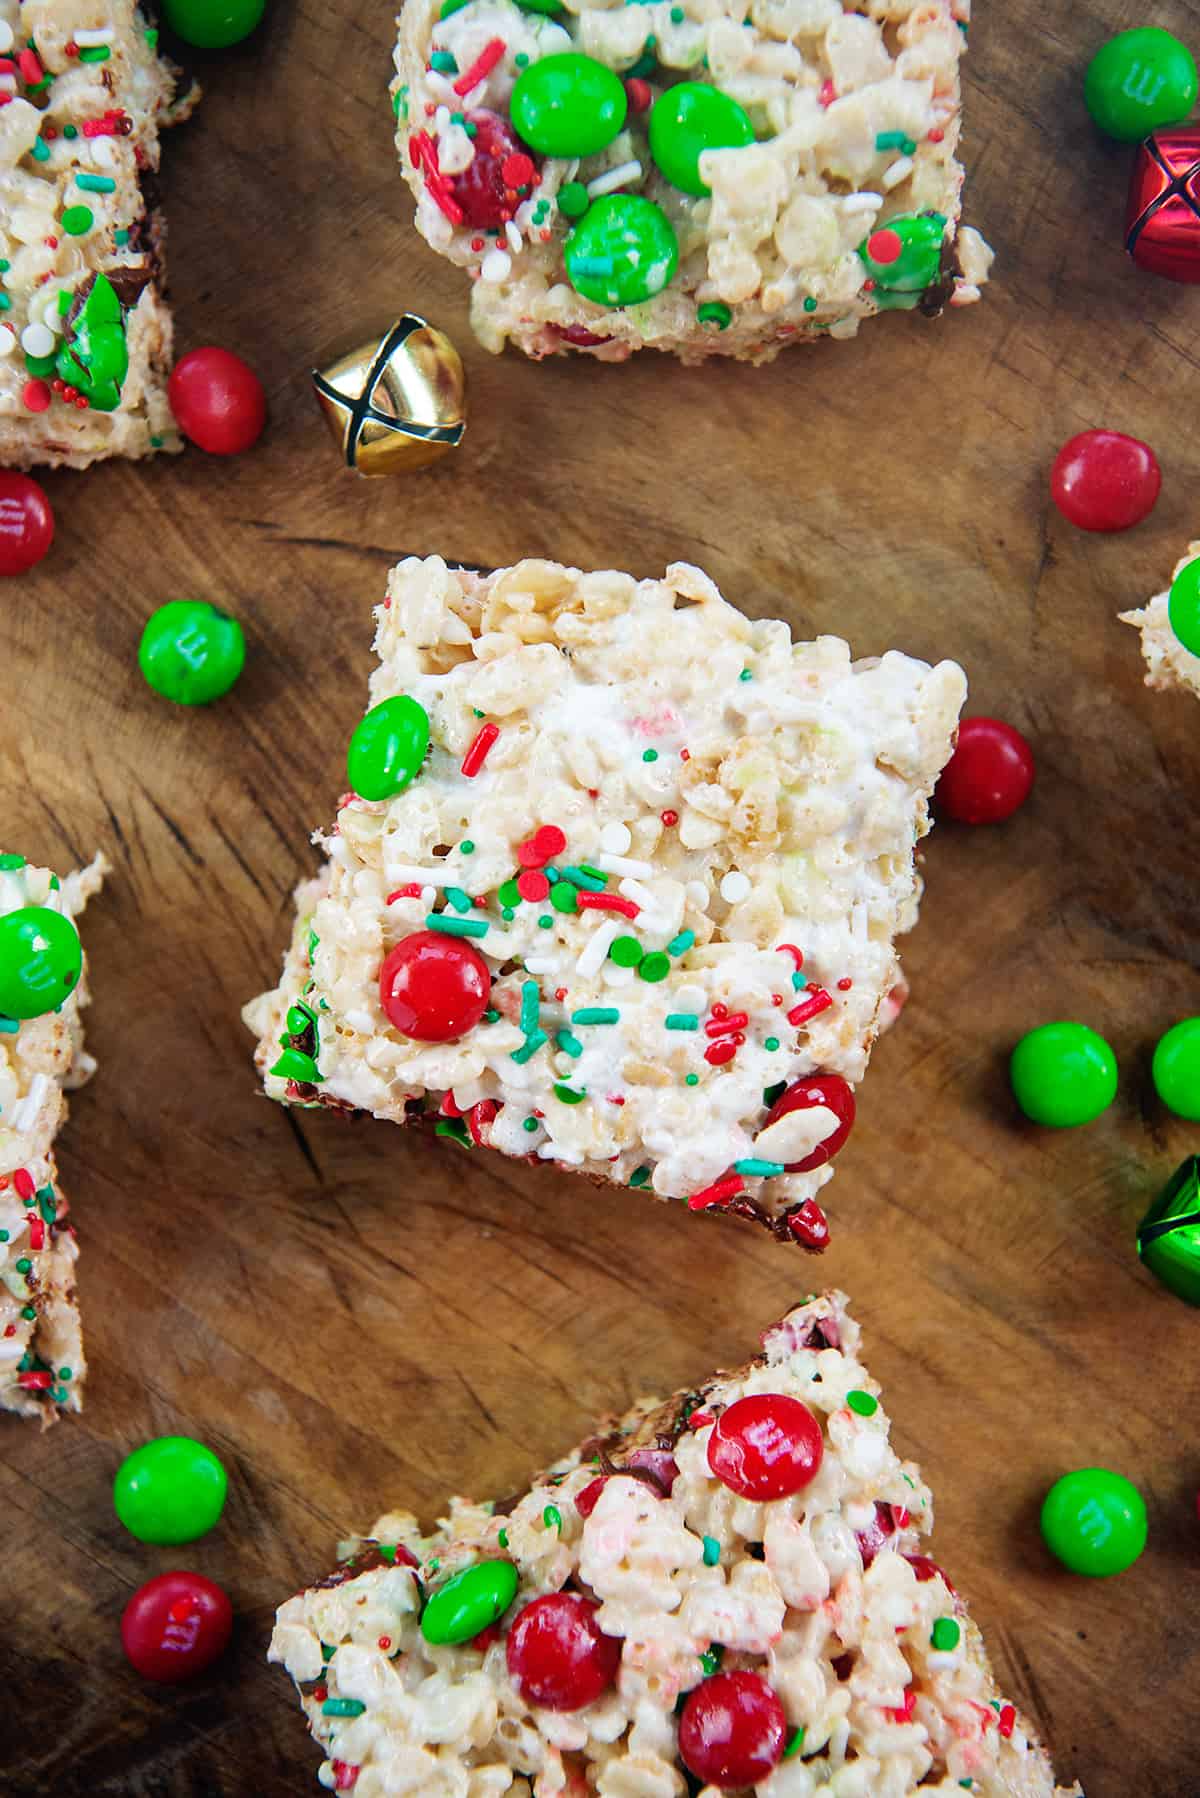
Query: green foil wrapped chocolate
x,y
1168,1237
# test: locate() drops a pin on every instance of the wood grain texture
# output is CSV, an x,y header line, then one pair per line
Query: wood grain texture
x,y
354,1318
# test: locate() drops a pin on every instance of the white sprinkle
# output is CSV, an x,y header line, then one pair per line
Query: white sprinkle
x,y
441,120
897,172
735,887
515,240
405,873
616,838
37,340
6,36
496,266
633,889
8,340
614,178
689,998
31,1104
614,975
8,84
541,964
864,202
591,959
88,40
696,893
428,895
620,864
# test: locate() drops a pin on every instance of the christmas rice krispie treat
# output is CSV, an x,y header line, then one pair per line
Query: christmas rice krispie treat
x,y
43,979
707,178
1170,627
616,885
85,338
727,1592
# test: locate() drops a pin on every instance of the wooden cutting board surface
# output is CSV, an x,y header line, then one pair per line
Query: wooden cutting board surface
x,y
356,1319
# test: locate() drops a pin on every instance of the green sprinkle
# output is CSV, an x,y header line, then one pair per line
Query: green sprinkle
x,y
796,1743
568,1095
70,131
9,863
450,6
96,184
466,847
456,1129
594,881
712,1657
530,1003
573,199
677,15
77,220
752,1165
683,1020
3,1235
502,1538
39,365
810,305
596,1014
564,896
570,1045
946,1634
890,140
649,755
59,1394
552,1518
400,102
41,150
64,1373
9,1026
152,37
596,873
456,926
968,1785
5,302
95,53
679,945
863,1403
654,967
545,921
626,951
28,1313
799,981
522,62
23,1264
691,1080
771,1093
746,674
771,1043
490,1015
712,1551
530,1124
458,899
509,893
343,1707
508,914
908,147
640,1176
530,1046
445,62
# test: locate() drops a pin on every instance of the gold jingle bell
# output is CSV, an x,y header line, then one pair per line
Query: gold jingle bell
x,y
396,404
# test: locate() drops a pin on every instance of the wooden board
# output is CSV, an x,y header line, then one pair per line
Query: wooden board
x,y
353,1318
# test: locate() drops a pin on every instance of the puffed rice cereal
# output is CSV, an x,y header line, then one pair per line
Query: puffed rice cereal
x,y
708,177
678,846
42,1366
823,1593
1168,664
85,338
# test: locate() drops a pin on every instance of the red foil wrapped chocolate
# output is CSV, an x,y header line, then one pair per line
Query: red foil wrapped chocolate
x,y
1162,223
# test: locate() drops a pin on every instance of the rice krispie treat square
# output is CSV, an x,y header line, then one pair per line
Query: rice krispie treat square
x,y
633,911
85,338
703,177
42,1365
1168,663
732,1583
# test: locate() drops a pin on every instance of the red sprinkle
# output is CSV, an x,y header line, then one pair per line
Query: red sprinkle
x,y
477,754
719,1010
638,93
37,1233
518,170
1007,1718
560,993
31,69
669,818
411,891
23,1183
344,1776
482,67
385,1642
719,1193
547,841
36,396
935,136
727,1025
884,246
844,984
902,1713
797,955
112,124
698,1419
532,884
607,902
827,94
818,1000
35,1382
720,1053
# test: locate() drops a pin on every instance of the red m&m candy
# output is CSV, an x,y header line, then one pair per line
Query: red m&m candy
x,y
434,987
766,1446
733,1730
175,1626
484,188
26,523
989,775
558,1656
829,1090
1105,481
218,401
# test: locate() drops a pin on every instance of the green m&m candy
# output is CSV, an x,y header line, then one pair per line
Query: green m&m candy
x,y
1183,606
1063,1074
191,652
1140,80
1176,1069
904,257
470,1601
94,356
169,1490
388,748
1094,1522
568,105
40,961
1168,1237
688,119
213,24
624,250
